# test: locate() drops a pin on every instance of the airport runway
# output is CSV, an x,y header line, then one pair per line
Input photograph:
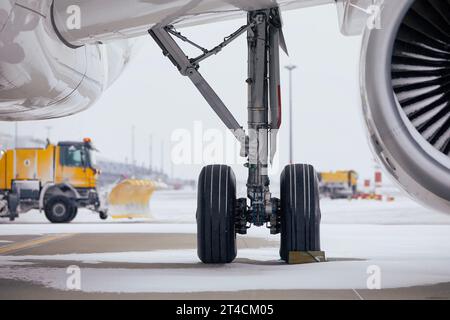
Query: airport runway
x,y
156,258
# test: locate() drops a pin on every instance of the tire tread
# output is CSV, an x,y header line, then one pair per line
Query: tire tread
x,y
215,215
300,229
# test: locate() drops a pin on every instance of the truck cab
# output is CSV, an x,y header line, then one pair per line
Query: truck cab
x,y
76,165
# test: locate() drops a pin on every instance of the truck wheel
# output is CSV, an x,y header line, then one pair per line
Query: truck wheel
x,y
13,204
216,236
60,209
300,210
74,213
103,215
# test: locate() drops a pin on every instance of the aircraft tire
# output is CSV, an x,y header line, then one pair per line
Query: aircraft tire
x,y
300,210
216,236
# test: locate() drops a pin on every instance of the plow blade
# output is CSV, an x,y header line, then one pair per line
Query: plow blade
x,y
131,199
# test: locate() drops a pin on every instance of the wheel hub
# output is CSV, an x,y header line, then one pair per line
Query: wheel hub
x,y
59,210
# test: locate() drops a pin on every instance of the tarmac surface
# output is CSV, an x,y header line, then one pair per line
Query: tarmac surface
x,y
62,244
156,258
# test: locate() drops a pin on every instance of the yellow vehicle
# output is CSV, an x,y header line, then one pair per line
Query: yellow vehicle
x,y
339,184
58,179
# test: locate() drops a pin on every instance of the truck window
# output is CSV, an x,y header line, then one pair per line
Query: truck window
x,y
91,159
73,156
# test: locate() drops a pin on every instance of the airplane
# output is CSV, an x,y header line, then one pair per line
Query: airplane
x,y
57,57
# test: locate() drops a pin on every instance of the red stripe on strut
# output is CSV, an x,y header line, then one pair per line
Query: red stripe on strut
x,y
279,107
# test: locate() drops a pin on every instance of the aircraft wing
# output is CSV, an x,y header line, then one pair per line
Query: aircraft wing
x,y
104,20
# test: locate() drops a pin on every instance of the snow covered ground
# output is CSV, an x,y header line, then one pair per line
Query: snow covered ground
x,y
178,207
408,244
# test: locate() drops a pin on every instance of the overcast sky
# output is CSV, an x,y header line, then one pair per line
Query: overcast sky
x,y
151,95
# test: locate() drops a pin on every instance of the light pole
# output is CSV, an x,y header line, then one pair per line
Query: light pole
x,y
16,135
290,68
150,153
133,150
49,129
162,157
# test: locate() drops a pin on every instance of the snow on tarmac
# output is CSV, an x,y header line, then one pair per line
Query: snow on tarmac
x,y
408,243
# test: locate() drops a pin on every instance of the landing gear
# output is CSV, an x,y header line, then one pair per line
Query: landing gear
x,y
216,236
220,216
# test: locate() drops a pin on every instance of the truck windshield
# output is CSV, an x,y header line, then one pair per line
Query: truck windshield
x,y
75,156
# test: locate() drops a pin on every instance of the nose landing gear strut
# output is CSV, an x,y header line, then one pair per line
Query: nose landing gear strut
x,y
220,216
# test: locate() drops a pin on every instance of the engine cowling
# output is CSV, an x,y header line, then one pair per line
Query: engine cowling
x,y
41,77
405,85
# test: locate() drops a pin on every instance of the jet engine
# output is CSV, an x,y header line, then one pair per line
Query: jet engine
x,y
43,77
405,85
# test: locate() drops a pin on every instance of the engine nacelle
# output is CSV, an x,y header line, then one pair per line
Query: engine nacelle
x,y
41,77
405,82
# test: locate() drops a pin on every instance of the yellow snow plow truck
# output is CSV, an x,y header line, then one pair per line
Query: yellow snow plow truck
x,y
58,180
